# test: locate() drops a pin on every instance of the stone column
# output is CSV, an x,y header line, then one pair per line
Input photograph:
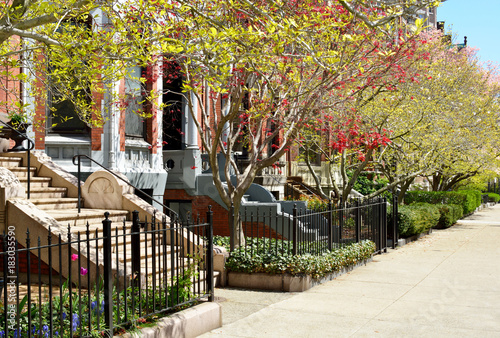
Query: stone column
x,y
192,158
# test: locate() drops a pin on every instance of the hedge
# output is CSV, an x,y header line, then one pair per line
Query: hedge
x,y
417,218
450,214
493,198
469,200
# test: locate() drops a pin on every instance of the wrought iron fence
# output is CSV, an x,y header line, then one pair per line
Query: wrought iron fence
x,y
102,279
313,231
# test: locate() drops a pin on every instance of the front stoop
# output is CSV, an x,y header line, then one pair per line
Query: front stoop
x,y
283,282
188,323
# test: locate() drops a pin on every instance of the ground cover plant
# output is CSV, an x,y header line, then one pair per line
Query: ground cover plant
x,y
276,259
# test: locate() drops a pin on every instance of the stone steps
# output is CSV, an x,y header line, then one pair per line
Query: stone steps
x,y
55,202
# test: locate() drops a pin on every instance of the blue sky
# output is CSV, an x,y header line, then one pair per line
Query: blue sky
x,y
479,20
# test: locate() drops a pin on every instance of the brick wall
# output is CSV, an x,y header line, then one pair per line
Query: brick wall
x,y
22,262
199,205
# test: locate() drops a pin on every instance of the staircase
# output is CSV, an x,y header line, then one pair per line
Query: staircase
x,y
295,188
53,203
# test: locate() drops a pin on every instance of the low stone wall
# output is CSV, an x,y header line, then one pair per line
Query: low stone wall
x,y
283,282
187,323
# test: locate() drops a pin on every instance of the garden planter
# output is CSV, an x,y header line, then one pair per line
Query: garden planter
x,y
283,282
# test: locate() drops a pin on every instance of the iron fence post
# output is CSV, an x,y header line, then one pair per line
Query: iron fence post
x,y
394,220
341,219
294,230
231,227
358,222
79,186
380,208
108,282
385,223
330,225
210,254
135,247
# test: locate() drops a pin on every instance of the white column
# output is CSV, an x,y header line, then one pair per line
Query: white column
x,y
191,132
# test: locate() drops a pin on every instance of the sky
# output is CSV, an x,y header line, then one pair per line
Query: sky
x,y
479,20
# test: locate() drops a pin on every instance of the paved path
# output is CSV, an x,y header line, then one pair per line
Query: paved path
x,y
445,285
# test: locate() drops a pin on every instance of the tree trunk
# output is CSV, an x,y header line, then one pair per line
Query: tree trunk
x,y
317,180
237,236
404,189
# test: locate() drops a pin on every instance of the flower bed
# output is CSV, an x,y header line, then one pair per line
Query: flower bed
x,y
300,265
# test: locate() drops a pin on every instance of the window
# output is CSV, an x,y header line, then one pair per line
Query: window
x,y
172,115
62,114
134,99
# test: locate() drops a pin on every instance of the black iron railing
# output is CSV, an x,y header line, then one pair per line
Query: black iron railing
x,y
156,268
19,137
314,231
169,211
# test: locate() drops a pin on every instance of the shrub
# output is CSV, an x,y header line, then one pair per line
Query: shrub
x,y
315,266
450,214
367,185
417,218
468,199
473,200
493,198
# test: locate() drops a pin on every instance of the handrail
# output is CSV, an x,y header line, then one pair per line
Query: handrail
x,y
30,147
305,187
171,212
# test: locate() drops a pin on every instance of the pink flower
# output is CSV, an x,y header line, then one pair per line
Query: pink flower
x,y
74,257
83,271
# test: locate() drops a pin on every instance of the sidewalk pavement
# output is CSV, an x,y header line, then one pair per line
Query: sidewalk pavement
x,y
447,284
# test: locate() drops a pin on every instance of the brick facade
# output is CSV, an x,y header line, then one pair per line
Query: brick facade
x,y
33,268
199,206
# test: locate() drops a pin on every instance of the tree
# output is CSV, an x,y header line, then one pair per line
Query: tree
x,y
63,49
444,125
354,134
274,67
269,64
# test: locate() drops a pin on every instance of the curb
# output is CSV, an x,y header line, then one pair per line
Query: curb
x,y
187,323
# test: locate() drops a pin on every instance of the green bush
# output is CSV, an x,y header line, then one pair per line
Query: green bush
x,y
493,198
473,200
366,185
417,218
315,266
450,214
469,200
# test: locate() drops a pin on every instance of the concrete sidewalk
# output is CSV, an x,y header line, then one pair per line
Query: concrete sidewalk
x,y
447,284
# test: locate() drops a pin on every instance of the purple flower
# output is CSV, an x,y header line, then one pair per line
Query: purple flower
x,y
75,322
83,271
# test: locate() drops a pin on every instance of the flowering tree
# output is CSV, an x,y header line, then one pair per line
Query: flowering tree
x,y
273,68
270,65
444,124
353,135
